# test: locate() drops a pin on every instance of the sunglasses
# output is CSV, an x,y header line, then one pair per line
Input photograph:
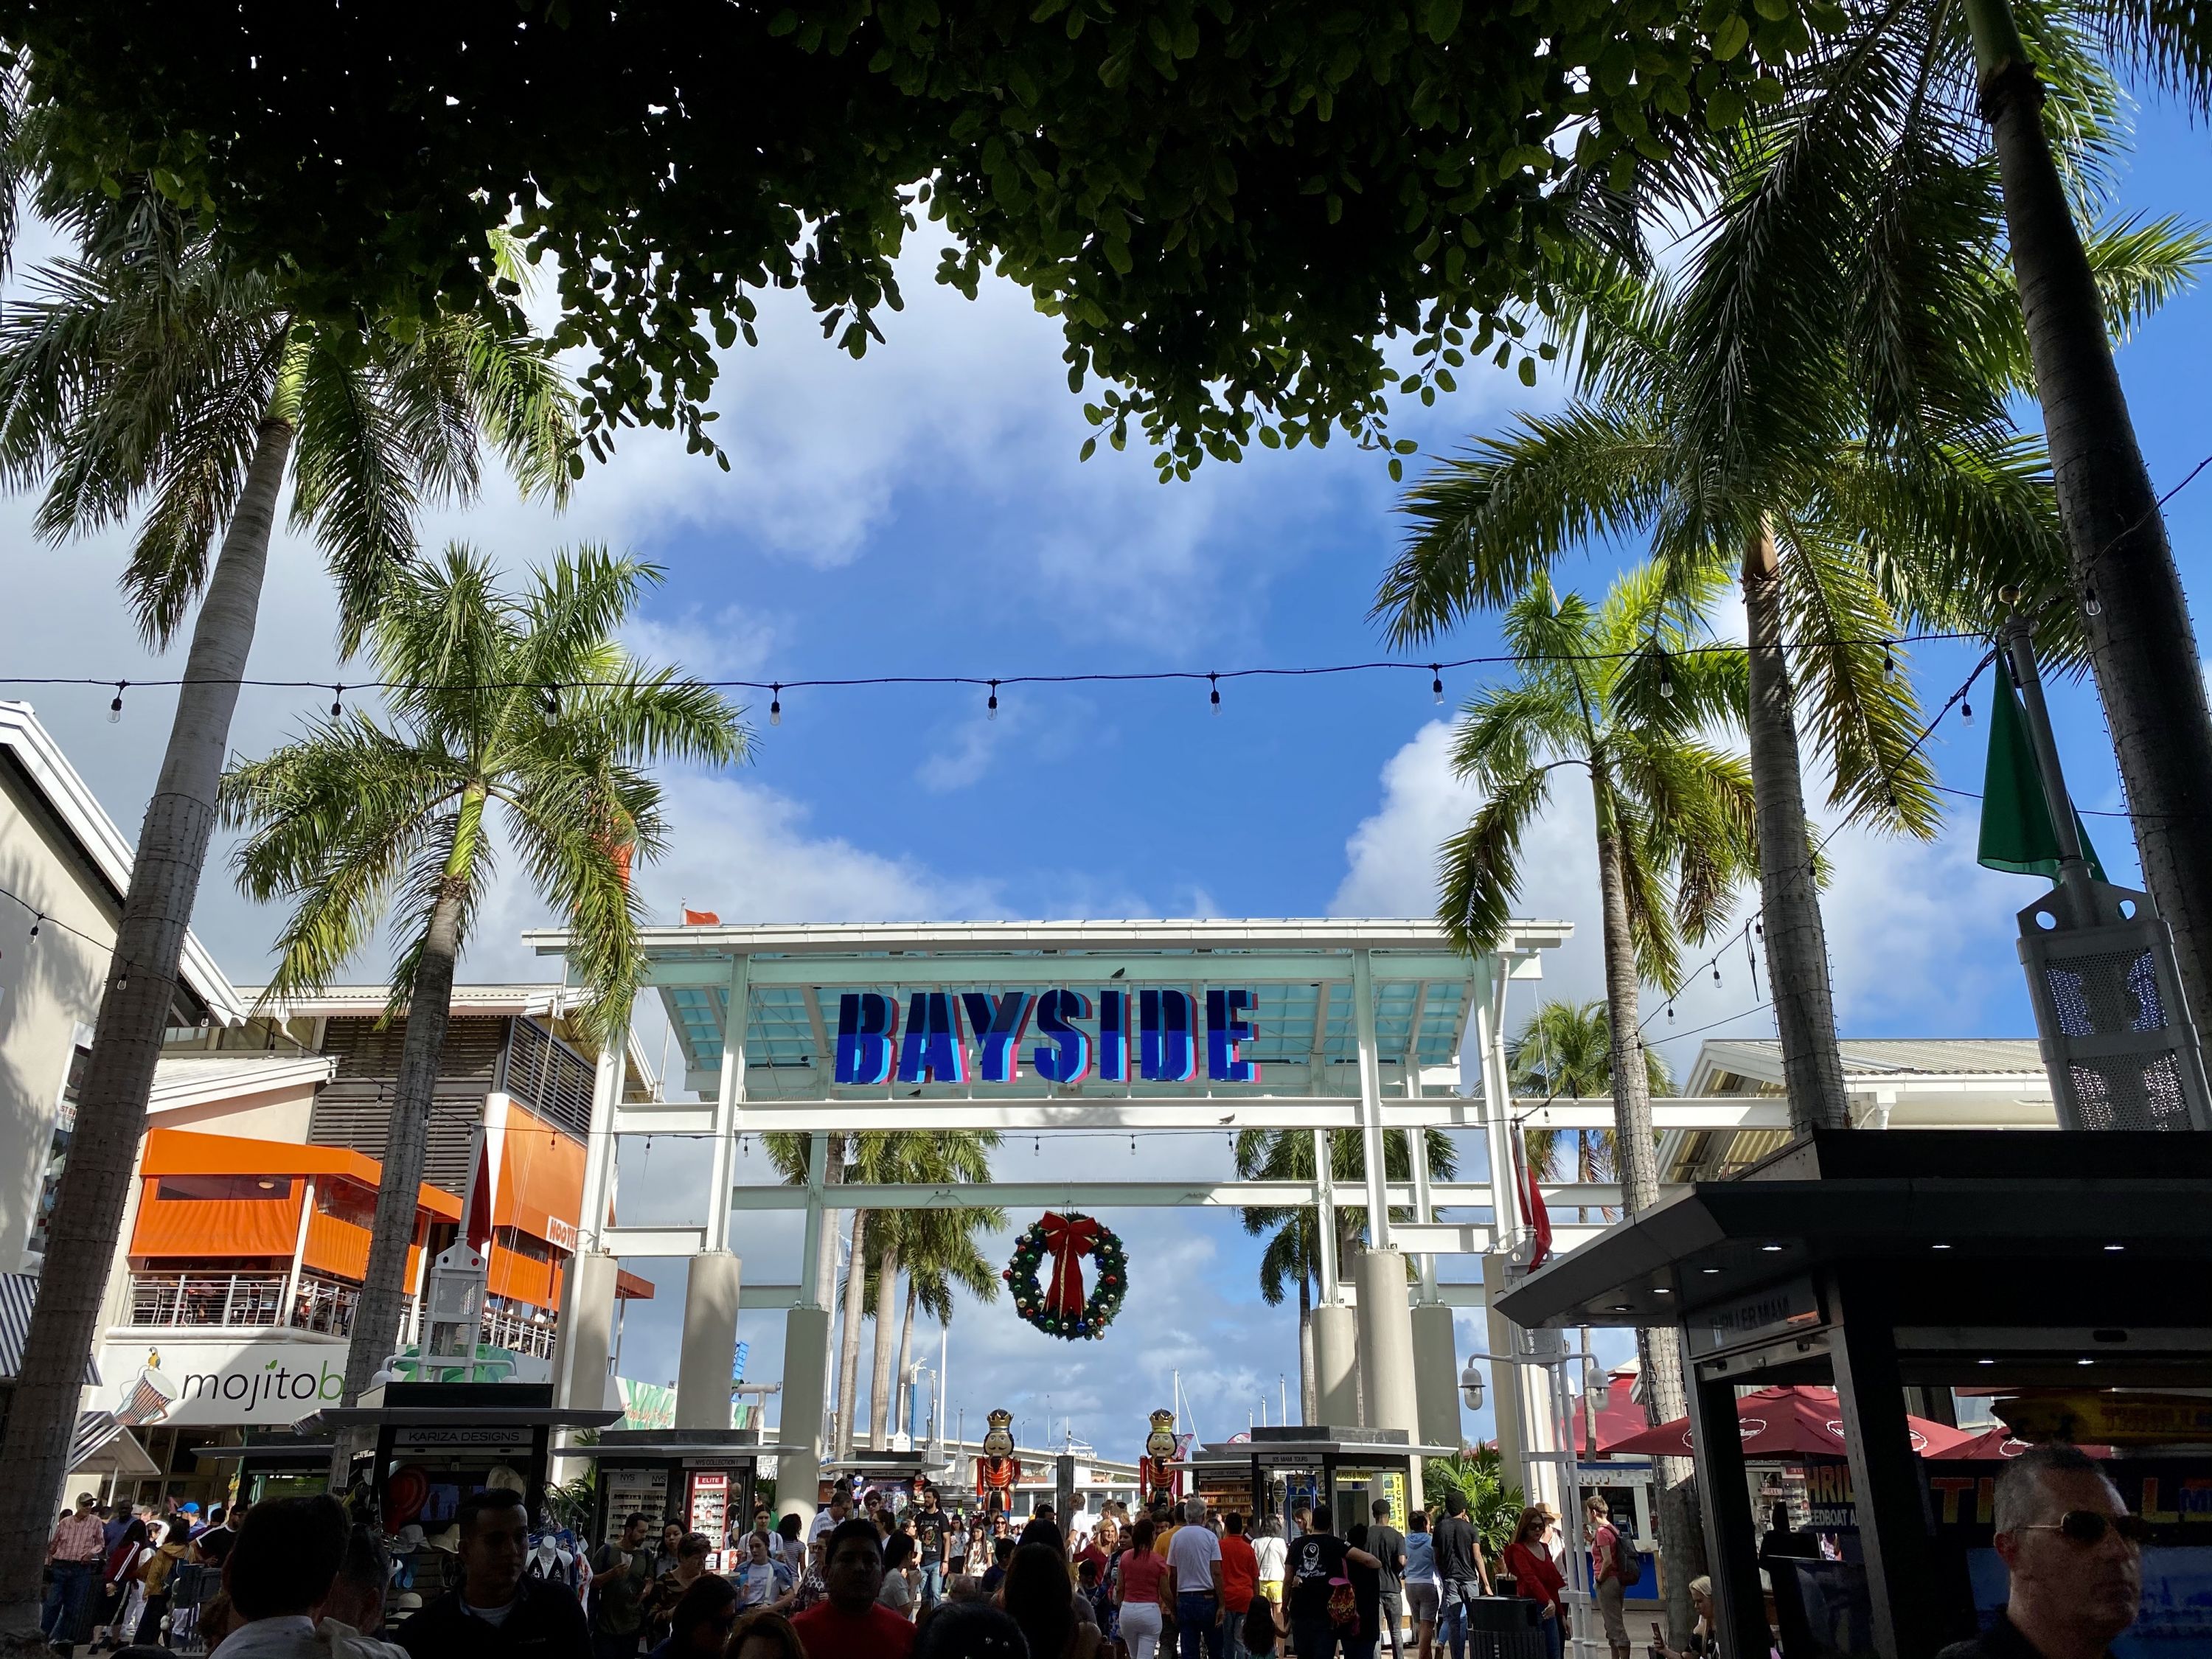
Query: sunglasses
x,y
2090,1526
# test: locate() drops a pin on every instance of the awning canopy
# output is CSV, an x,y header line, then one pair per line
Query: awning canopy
x,y
19,1294
104,1445
1799,1421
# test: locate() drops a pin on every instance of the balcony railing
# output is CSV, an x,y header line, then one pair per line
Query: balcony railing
x,y
321,1304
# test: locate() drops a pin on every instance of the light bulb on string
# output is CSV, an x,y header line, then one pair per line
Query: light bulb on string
x,y
337,701
115,708
1436,684
2091,603
551,694
1670,1013
1717,973
35,920
775,704
1665,678
1888,659
1966,713
1213,697
991,708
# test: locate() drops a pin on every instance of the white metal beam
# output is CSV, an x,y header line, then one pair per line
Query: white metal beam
x,y
654,1241
1370,1101
1029,1113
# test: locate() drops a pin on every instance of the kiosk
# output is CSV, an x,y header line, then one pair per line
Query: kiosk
x,y
437,1442
703,1479
1344,1468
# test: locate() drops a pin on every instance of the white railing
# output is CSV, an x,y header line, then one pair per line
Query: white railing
x,y
326,1305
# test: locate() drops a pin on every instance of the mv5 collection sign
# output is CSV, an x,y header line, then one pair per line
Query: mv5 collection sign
x,y
1118,1036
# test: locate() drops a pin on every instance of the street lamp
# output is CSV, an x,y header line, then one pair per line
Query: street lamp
x,y
1470,1386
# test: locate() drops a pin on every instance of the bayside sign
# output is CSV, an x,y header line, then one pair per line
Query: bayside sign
x,y
1081,1035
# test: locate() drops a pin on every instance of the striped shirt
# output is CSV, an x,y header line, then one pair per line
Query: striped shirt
x,y
79,1538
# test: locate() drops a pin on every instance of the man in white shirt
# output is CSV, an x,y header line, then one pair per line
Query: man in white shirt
x,y
1194,1580
826,1521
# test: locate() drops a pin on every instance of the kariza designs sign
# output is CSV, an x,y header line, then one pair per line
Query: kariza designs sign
x,y
1148,1035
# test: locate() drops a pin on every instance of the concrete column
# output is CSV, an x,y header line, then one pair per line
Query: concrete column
x,y
1325,1216
1504,1384
1372,1160
587,1331
805,1355
729,1106
1336,1363
1435,1374
1386,1342
710,1338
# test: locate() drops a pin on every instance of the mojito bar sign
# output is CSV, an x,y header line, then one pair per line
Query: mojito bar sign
x,y
1120,1035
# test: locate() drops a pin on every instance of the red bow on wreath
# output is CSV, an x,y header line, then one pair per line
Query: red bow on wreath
x,y
1070,1238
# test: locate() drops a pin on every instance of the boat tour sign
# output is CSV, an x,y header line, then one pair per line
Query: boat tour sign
x,y
1149,1036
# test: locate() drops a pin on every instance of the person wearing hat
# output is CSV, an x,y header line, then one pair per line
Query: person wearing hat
x,y
74,1556
496,1610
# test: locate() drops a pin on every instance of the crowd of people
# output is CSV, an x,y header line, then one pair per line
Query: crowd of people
x,y
112,1570
869,1578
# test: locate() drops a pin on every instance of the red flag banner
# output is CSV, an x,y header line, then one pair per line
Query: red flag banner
x,y
701,918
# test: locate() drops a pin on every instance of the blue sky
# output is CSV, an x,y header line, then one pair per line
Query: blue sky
x,y
923,512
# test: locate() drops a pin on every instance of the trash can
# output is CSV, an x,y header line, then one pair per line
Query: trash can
x,y
1504,1627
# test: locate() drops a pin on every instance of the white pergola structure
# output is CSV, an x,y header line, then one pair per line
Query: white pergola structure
x,y
1359,1024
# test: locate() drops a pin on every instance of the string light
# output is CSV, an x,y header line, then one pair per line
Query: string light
x,y
337,697
552,694
1888,661
1436,684
1666,678
1214,696
115,708
35,920
2091,603
1966,712
775,705
1717,973
991,708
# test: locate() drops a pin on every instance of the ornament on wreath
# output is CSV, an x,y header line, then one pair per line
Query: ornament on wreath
x,y
1046,1276
998,1469
1158,1475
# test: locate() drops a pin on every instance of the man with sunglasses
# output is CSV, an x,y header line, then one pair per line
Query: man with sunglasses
x,y
2074,1556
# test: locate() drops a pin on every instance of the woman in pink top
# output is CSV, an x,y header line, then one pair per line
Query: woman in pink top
x,y
1138,1576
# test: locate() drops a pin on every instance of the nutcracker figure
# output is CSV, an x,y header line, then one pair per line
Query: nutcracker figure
x,y
1158,1475
998,1469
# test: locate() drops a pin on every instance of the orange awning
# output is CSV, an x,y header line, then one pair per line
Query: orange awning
x,y
185,1152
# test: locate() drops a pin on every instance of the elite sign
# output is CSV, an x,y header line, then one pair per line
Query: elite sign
x,y
1081,1033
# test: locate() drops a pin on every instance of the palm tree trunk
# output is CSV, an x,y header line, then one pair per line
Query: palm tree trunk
x,y
879,1385
902,1408
1790,901
384,1287
2140,645
140,985
848,1346
1308,1395
1680,1529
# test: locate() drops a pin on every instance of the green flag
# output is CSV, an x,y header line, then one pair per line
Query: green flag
x,y
2016,828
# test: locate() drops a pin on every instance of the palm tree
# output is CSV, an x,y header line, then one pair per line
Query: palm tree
x,y
151,379
1616,693
938,1251
526,702
931,1160
1293,1255
1565,1050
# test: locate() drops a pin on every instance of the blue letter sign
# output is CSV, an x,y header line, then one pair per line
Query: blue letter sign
x,y
866,1023
931,1051
1169,1054
1068,1059
1226,1027
997,1027
1113,1035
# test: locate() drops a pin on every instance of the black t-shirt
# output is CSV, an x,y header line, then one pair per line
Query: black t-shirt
x,y
1385,1545
1315,1558
1366,1596
1455,1548
929,1533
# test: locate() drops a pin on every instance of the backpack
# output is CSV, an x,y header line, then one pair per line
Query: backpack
x,y
1628,1561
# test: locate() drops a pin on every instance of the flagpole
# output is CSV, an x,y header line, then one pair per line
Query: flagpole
x,y
2074,877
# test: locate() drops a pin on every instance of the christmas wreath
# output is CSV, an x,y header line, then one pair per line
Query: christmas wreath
x,y
1046,1276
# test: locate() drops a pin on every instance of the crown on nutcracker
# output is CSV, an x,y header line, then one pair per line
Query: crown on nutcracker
x,y
1164,1420
1002,1419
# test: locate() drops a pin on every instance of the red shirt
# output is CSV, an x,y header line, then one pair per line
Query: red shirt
x,y
1240,1572
1605,1551
879,1633
1536,1575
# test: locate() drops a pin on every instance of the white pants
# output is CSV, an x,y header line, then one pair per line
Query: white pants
x,y
1140,1628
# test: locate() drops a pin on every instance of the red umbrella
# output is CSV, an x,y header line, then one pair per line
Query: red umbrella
x,y
1619,1415
1791,1422
1997,1444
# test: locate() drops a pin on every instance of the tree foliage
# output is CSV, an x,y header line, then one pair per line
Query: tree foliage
x,y
1224,204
